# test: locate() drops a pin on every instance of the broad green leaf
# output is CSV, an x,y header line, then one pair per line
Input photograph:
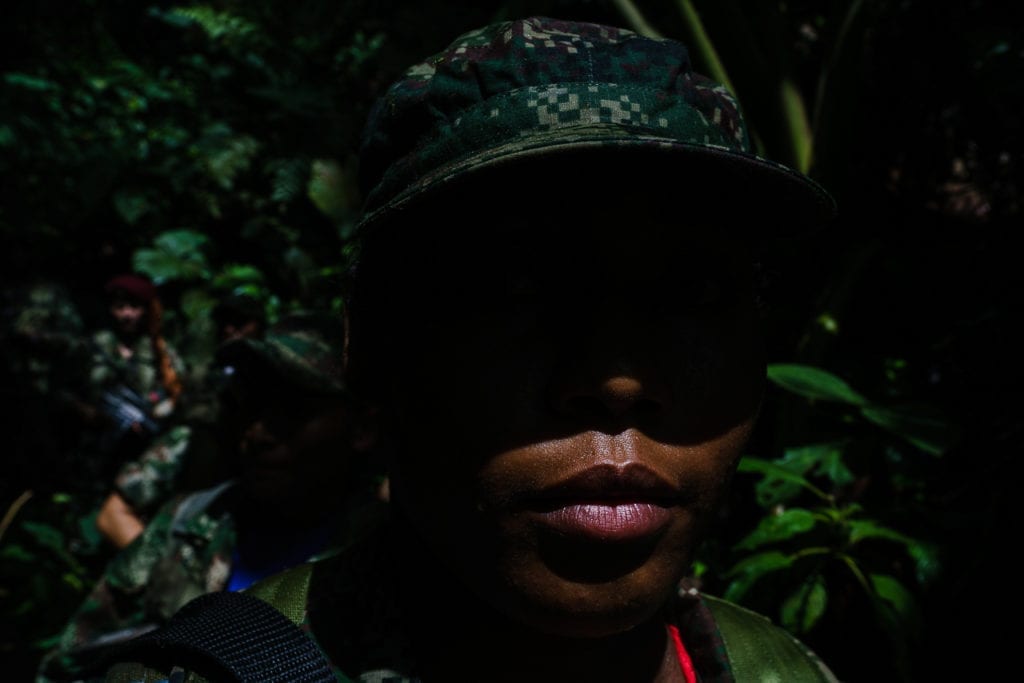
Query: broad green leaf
x,y
17,553
160,265
927,563
777,528
824,459
184,243
897,597
746,572
862,529
45,535
197,303
833,466
802,609
813,383
779,473
131,207
234,275
930,433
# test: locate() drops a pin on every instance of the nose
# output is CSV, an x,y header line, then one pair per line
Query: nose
x,y
612,373
256,436
616,398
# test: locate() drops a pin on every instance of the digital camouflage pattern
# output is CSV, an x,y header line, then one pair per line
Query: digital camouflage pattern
x,y
541,86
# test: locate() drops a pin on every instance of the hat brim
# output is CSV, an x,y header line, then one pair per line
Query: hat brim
x,y
266,358
785,202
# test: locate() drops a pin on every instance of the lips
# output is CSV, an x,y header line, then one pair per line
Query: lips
x,y
606,503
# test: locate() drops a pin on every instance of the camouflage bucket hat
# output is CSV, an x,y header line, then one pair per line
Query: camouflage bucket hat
x,y
529,89
305,350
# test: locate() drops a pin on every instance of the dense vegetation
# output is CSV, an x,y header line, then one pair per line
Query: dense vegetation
x,y
213,145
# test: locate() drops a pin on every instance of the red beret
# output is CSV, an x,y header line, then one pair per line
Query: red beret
x,y
135,286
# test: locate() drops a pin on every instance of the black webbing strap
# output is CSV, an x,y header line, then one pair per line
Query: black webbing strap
x,y
232,637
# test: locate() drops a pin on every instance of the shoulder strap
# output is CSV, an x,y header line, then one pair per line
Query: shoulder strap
x,y
233,636
759,650
286,591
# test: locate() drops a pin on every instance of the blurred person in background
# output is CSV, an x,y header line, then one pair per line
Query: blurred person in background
x,y
186,456
301,489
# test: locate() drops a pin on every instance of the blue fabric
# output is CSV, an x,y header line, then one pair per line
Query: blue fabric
x,y
264,552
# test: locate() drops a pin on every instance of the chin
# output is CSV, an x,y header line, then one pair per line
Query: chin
x,y
591,611
592,606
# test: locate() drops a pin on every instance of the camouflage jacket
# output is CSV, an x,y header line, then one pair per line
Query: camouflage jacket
x,y
138,372
185,551
150,480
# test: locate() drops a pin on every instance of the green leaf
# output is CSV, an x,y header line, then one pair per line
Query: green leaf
x,y
927,564
45,535
747,572
183,243
778,528
824,459
197,303
160,265
234,275
862,529
131,207
804,607
813,383
896,596
17,553
29,82
777,473
930,433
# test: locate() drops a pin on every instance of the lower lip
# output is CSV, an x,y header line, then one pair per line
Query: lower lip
x,y
608,522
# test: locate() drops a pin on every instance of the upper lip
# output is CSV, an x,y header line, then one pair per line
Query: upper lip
x,y
610,483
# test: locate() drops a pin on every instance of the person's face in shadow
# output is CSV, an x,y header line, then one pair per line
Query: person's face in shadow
x,y
291,445
572,388
128,315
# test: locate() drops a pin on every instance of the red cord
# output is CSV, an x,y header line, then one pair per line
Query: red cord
x,y
685,663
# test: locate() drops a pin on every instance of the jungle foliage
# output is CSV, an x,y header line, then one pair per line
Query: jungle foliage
x,y
213,146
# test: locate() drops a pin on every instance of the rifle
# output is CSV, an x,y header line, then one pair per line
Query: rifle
x,y
128,412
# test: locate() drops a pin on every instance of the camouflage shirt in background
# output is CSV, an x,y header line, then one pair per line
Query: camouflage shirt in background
x,y
185,551
152,479
48,334
139,372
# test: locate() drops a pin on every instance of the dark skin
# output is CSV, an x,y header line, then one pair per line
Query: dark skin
x,y
580,389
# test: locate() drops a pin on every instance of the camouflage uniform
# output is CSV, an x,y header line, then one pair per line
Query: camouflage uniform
x,y
108,443
49,330
150,480
185,551
44,348
138,372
